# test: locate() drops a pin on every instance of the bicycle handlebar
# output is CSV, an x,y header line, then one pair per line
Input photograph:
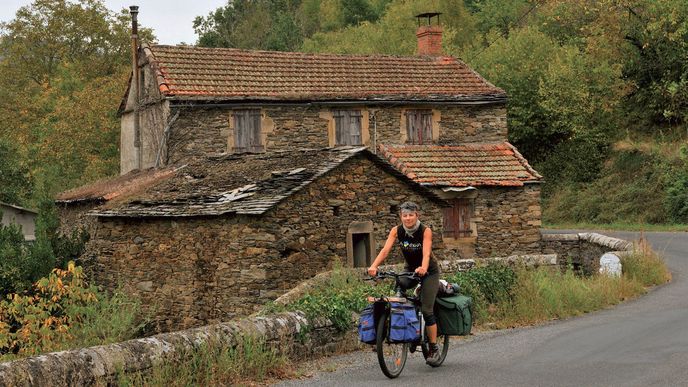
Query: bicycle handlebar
x,y
391,274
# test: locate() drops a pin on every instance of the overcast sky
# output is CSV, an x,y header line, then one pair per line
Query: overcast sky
x,y
171,20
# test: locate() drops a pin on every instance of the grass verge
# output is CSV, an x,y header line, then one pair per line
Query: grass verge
x,y
211,364
617,226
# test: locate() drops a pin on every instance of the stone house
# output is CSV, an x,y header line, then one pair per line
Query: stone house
x,y
23,217
244,172
219,237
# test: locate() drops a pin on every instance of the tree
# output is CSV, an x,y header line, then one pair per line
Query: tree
x,y
16,185
394,32
252,24
63,67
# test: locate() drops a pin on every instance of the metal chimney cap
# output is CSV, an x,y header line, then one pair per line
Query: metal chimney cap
x,y
429,15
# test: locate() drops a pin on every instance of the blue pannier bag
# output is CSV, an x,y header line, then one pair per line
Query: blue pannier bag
x,y
366,325
405,325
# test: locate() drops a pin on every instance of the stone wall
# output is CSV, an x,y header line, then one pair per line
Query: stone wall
x,y
457,124
583,250
291,334
194,271
73,217
202,131
508,220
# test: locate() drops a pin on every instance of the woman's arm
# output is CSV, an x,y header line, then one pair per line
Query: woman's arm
x,y
427,249
389,244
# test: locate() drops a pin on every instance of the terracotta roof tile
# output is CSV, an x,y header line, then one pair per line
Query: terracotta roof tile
x,y
187,72
494,164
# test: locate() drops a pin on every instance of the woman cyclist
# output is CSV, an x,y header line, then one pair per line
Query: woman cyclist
x,y
415,241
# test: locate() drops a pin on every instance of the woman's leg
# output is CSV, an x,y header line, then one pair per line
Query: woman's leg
x,y
428,293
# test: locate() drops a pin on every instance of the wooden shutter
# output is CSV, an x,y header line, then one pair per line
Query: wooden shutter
x,y
255,143
247,130
457,219
347,127
419,126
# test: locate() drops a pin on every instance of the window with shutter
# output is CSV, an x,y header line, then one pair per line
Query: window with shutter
x,y
247,131
419,126
457,219
347,127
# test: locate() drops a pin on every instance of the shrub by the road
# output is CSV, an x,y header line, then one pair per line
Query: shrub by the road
x,y
63,311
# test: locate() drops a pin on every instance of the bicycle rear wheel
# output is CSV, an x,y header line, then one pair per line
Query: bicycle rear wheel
x,y
442,343
391,356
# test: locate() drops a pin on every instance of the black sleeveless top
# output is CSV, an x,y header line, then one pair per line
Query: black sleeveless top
x,y
412,248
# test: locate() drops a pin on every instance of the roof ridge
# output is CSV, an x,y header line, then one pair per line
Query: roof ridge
x,y
424,58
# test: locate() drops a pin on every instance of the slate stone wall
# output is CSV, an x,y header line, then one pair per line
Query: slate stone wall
x,y
200,132
583,250
508,221
457,124
73,217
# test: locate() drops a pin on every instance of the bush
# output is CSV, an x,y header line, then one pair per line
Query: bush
x,y
337,298
62,312
488,286
22,263
14,275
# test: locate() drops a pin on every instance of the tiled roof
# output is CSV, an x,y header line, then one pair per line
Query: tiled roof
x,y
187,72
238,184
17,207
113,188
493,164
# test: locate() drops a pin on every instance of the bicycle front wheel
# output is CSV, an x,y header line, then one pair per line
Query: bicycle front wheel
x,y
391,356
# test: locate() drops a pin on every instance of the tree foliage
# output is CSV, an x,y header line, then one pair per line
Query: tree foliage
x,y
63,70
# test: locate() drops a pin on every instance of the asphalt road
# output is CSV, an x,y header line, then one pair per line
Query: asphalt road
x,y
643,342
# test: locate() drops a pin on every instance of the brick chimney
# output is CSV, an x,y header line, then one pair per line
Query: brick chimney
x,y
429,36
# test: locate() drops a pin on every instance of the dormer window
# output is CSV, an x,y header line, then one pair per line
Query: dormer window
x,y
347,127
247,131
419,126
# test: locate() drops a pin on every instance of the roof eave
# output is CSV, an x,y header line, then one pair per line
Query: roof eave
x,y
220,101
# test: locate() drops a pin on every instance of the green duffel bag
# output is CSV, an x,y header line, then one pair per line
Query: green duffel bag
x,y
454,315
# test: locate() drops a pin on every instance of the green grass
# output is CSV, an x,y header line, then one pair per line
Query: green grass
x,y
619,226
547,293
211,364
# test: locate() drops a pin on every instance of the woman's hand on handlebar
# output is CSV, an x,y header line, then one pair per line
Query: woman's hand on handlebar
x,y
421,271
372,271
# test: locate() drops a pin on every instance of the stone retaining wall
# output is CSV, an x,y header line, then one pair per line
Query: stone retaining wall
x,y
583,250
291,334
